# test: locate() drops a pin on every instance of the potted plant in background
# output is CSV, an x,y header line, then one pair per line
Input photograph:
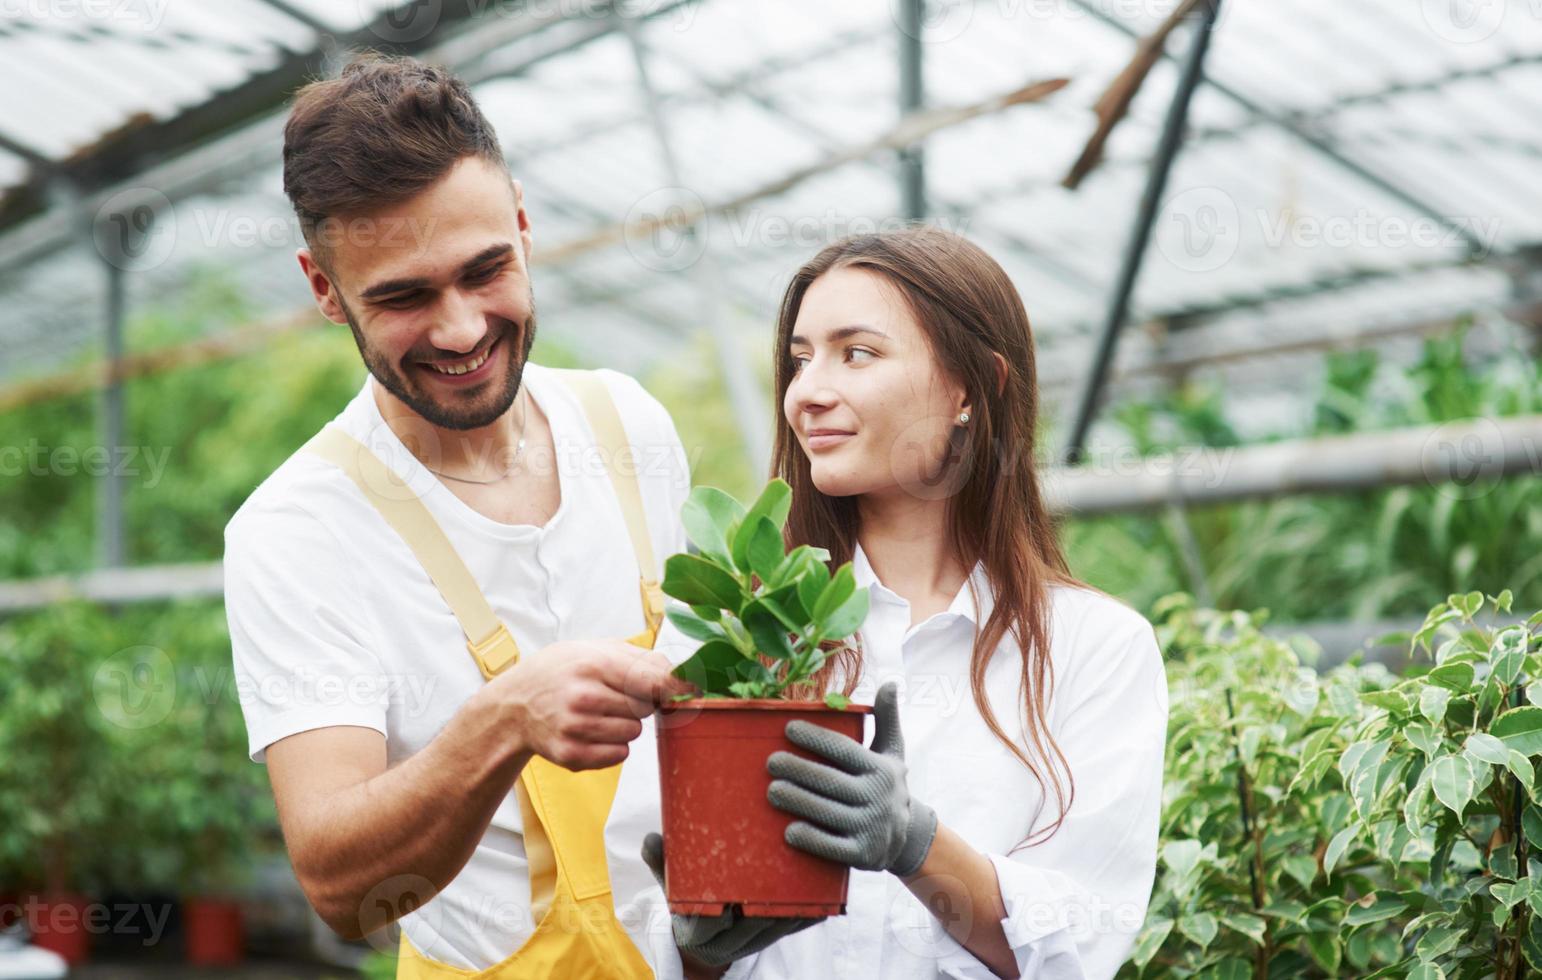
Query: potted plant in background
x,y
767,620
201,797
56,807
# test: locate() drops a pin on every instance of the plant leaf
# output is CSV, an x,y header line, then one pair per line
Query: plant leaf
x,y
1523,770
1454,677
694,626
1482,747
1432,703
774,504
700,582
1337,846
812,585
842,584
707,515
714,666
770,635
848,618
758,547
1451,778
1520,729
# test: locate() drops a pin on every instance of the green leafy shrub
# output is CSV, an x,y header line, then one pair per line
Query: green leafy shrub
x,y
1352,824
763,615
125,752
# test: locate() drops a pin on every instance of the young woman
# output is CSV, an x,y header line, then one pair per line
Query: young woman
x,y
1003,819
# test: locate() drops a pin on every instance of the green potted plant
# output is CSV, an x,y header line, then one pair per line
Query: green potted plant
x,y
202,800
54,802
767,620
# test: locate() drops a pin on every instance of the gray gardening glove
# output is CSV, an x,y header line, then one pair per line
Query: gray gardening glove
x,y
718,940
859,810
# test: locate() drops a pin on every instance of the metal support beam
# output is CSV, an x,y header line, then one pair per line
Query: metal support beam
x,y
1299,130
1140,235
1466,455
110,538
912,159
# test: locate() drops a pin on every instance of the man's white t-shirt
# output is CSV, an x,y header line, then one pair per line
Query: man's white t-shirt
x,y
334,622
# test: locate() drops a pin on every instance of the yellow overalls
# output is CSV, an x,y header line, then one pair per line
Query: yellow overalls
x,y
564,813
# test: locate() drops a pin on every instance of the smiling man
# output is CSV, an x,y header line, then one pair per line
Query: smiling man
x,y
427,601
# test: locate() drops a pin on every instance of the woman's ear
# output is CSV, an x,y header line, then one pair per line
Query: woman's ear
x,y
967,406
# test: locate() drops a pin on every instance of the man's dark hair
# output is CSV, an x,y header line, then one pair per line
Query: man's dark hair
x,y
383,130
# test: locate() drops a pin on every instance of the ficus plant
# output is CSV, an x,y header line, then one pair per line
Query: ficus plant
x,y
766,617
1352,823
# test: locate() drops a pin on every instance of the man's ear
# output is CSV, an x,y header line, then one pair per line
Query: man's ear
x,y
526,238
322,289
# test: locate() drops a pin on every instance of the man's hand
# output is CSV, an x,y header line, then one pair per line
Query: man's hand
x,y
580,704
718,940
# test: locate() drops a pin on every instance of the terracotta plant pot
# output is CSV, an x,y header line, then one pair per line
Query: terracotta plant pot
x,y
59,925
213,932
723,842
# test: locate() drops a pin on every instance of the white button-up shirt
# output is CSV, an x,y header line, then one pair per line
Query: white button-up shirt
x,y
1075,902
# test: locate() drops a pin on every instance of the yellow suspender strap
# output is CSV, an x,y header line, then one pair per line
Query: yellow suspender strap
x,y
610,439
486,637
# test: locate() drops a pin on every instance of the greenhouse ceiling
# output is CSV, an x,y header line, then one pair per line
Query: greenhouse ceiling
x,y
1364,168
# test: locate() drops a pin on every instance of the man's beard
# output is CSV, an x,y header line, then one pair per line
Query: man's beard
x,y
457,417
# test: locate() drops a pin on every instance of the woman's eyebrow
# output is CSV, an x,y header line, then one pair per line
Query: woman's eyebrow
x,y
843,333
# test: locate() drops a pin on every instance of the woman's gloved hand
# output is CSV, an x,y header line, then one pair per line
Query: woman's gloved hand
x,y
717,940
858,811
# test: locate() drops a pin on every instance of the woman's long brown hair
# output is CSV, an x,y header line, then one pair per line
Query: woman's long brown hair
x,y
969,310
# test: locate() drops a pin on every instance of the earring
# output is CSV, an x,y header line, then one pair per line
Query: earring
x,y
963,418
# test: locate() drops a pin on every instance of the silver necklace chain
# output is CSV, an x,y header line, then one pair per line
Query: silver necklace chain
x,y
518,453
